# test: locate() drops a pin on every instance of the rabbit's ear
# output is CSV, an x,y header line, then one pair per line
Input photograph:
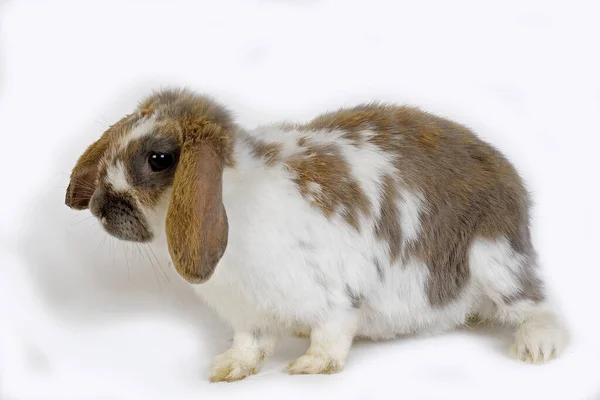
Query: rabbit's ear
x,y
196,226
83,176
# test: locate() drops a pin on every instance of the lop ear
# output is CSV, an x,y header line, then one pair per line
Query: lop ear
x,y
83,176
196,226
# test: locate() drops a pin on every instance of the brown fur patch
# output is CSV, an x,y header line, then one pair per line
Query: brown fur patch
x,y
302,141
188,116
268,152
362,117
387,226
324,178
429,137
470,190
353,137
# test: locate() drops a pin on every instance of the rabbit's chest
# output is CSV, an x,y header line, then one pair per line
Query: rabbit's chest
x,y
282,265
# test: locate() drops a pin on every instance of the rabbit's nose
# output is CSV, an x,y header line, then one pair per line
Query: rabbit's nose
x,y
106,204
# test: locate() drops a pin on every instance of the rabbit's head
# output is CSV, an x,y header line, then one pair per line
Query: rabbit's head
x,y
159,170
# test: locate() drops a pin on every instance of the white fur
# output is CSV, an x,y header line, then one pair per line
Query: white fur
x,y
367,164
143,127
288,268
115,175
156,217
400,305
410,207
496,267
540,333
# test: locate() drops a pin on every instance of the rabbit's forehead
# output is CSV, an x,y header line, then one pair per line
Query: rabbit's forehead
x,y
124,167
131,131
144,127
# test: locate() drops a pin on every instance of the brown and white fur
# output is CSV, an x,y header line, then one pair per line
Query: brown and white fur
x,y
374,221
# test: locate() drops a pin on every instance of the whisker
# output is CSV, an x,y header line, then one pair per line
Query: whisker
x,y
132,249
153,268
78,178
139,252
87,186
80,198
114,245
158,262
101,242
127,262
86,192
84,183
83,220
82,188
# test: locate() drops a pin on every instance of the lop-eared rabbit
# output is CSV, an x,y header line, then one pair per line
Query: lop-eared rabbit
x,y
374,221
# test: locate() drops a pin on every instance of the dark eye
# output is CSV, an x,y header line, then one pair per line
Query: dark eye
x,y
160,161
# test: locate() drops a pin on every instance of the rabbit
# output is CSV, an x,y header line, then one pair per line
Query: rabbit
x,y
375,221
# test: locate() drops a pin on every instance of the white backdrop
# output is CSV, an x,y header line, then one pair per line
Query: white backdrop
x,y
83,316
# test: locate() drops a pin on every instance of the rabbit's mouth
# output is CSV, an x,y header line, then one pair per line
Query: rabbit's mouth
x,y
119,217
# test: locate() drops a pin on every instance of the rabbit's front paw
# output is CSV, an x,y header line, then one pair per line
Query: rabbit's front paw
x,y
329,345
315,364
234,365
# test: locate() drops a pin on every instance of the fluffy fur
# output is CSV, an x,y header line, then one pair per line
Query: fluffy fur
x,y
373,221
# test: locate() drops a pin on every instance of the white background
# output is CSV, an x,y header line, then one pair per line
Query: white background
x,y
83,316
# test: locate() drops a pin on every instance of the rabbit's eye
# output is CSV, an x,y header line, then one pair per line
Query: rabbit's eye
x,y
160,161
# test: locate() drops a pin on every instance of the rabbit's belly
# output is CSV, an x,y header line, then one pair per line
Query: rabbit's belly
x,y
399,306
